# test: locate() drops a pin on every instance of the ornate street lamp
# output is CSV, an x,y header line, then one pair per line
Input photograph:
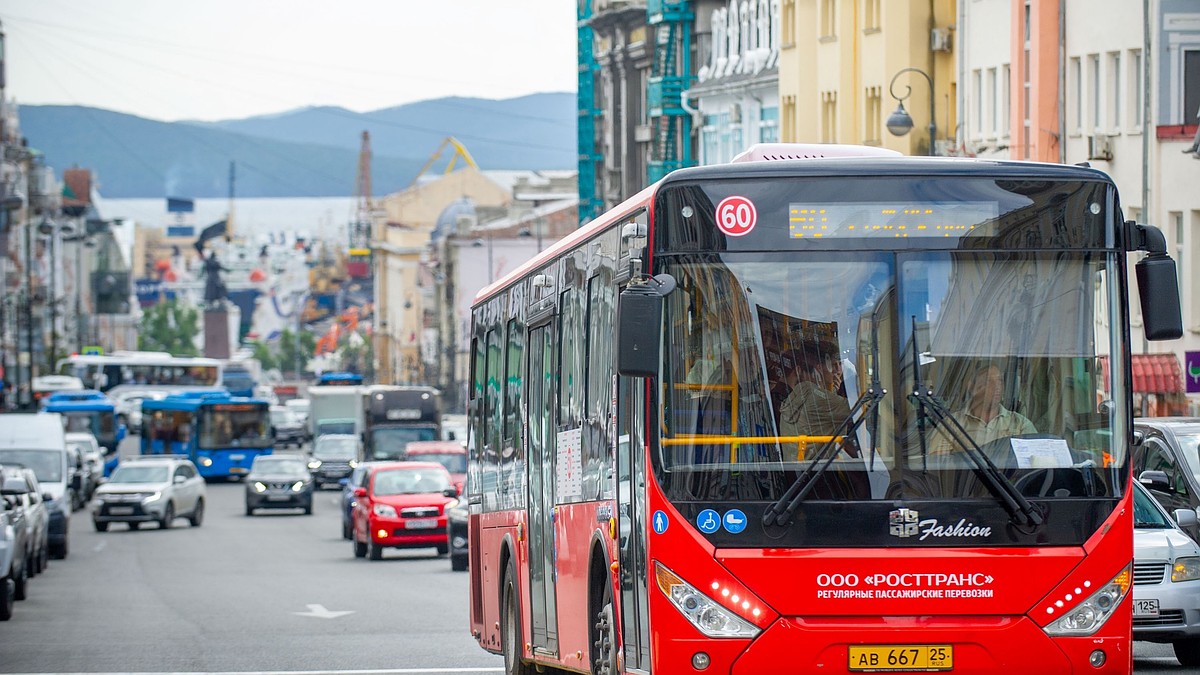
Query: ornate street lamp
x,y
900,122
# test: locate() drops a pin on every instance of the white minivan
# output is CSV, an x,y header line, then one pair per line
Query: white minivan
x,y
37,441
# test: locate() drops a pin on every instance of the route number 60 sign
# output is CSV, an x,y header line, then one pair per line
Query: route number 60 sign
x,y
736,216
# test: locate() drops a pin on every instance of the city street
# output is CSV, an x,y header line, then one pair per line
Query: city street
x,y
279,591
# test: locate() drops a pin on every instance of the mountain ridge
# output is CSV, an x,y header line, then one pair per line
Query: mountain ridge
x,y
306,152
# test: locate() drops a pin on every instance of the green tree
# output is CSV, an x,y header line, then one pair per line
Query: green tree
x,y
288,355
169,327
265,355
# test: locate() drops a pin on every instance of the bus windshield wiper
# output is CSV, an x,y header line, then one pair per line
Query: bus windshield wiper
x,y
867,405
781,511
929,405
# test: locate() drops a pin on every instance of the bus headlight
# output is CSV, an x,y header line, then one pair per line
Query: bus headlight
x,y
206,461
706,614
1186,569
1088,616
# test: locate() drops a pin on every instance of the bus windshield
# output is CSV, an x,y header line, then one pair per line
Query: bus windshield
x,y
390,442
235,425
775,352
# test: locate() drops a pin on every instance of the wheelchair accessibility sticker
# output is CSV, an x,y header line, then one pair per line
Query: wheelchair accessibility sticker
x,y
708,521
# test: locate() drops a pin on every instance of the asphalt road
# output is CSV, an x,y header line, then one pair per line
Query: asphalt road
x,y
277,592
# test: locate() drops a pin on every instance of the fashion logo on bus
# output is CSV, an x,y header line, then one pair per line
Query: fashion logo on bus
x,y
906,523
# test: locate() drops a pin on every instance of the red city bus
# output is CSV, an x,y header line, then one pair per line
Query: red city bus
x,y
852,420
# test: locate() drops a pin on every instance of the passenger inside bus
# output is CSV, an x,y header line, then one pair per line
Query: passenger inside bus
x,y
815,405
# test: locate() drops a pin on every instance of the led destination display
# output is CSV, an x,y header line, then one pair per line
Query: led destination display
x,y
888,219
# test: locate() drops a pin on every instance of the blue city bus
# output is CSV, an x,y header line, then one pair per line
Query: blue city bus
x,y
339,379
221,434
90,411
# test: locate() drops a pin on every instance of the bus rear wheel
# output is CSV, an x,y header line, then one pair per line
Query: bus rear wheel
x,y
604,648
510,636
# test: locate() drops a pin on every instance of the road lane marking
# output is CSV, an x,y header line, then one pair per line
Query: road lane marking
x,y
100,547
319,612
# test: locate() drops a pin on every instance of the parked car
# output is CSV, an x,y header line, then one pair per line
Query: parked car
x,y
279,482
92,472
16,532
1166,578
450,454
37,442
334,456
1167,462
401,505
154,488
286,427
22,488
8,584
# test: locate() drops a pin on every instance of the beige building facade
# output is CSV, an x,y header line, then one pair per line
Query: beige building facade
x,y
844,68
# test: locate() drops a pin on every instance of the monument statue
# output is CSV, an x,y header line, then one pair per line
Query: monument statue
x,y
215,292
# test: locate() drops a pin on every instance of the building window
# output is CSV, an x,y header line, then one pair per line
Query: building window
x,y
1094,81
993,121
1191,86
873,111
789,119
1180,241
871,12
768,125
829,117
1075,86
828,18
1114,101
1135,88
787,28
1005,98
710,139
977,87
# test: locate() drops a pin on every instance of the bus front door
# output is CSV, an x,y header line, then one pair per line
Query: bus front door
x,y
631,522
541,380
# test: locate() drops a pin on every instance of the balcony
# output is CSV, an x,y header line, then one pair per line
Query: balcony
x,y
663,95
658,11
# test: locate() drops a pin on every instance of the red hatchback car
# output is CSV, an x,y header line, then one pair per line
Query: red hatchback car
x,y
402,505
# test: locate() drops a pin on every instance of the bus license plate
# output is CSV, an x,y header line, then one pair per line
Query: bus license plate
x,y
1145,607
421,524
237,469
897,658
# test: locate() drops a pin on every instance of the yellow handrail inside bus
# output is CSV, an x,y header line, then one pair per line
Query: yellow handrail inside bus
x,y
713,439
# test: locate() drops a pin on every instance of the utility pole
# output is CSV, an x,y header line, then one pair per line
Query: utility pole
x,y
29,372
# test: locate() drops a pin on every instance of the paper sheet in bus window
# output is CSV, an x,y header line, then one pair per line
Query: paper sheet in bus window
x,y
1042,453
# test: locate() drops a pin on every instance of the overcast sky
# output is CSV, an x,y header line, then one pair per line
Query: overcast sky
x,y
223,59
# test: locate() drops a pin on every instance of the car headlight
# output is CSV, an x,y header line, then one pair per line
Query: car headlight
x,y
152,497
353,463
314,464
259,487
384,510
1186,569
1088,616
298,486
706,614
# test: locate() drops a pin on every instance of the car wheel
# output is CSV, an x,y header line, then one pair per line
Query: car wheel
x,y
21,584
346,534
1188,652
308,509
197,517
249,510
59,551
100,527
458,563
375,551
7,599
510,635
360,550
168,517
443,549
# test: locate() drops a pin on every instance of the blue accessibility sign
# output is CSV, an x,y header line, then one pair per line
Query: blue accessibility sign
x,y
661,522
708,521
734,521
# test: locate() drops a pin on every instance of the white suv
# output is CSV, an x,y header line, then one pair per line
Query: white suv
x,y
150,489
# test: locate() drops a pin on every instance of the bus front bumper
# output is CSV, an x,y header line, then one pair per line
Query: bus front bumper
x,y
978,645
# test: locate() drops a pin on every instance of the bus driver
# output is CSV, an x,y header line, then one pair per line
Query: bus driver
x,y
983,418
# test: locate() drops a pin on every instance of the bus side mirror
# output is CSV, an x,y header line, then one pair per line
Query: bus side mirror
x,y
1158,284
639,327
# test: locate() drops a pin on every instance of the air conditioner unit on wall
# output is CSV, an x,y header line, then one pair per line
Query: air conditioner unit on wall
x,y
1099,147
939,40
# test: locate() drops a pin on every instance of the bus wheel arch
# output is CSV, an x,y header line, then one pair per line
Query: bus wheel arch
x,y
602,630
